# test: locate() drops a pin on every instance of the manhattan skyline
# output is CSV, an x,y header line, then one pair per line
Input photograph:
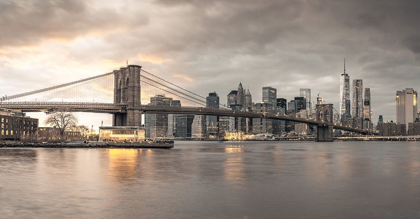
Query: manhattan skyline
x,y
208,47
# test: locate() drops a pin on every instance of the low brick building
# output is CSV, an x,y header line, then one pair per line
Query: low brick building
x,y
53,134
17,126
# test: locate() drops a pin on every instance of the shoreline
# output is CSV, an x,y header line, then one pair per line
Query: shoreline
x,y
139,145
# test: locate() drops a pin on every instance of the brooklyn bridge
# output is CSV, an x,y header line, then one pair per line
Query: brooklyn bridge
x,y
124,92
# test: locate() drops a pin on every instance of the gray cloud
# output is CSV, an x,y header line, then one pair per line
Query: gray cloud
x,y
29,22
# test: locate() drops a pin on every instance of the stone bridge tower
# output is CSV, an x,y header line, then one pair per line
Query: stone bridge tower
x,y
127,93
324,113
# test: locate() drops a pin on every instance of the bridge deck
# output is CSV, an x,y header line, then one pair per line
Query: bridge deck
x,y
121,108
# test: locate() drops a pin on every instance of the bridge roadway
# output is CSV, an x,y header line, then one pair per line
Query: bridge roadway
x,y
122,108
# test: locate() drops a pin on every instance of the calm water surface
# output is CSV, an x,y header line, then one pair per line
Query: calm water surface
x,y
214,180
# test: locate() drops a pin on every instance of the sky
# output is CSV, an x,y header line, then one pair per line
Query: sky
x,y
208,46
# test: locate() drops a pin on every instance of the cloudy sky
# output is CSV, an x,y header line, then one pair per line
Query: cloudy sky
x,y
208,46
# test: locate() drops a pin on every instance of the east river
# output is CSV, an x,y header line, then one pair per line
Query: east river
x,y
214,180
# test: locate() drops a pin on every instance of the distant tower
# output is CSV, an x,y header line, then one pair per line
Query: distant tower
x,y
269,95
357,108
367,113
248,100
406,106
241,95
344,94
306,93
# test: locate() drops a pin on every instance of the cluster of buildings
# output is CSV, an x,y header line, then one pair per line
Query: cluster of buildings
x,y
224,127
407,116
16,125
355,110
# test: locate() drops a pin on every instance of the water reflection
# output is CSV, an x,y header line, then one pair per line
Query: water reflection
x,y
123,163
234,165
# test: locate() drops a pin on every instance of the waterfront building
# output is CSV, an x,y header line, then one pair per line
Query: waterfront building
x,y
414,127
198,127
367,111
172,119
17,126
380,122
392,129
184,126
406,101
306,93
357,103
224,126
121,133
212,122
262,125
269,95
279,126
344,94
157,124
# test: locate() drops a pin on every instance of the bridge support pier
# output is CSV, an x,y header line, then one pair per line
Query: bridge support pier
x,y
324,132
127,91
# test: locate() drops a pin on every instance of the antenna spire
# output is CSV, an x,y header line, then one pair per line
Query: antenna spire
x,y
344,66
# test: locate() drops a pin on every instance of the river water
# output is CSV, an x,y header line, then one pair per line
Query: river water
x,y
214,180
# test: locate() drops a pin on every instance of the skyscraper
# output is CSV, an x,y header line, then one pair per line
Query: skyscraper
x,y
172,119
157,124
269,95
344,94
232,98
367,113
248,100
306,93
282,103
212,101
241,95
357,105
406,106
300,104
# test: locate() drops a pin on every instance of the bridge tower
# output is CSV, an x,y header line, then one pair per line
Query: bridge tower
x,y
127,93
324,113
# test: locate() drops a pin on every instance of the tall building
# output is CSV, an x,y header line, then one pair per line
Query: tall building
x,y
157,124
306,93
232,98
172,119
198,127
406,106
241,95
367,111
300,104
344,94
212,122
282,103
357,103
248,101
269,95
184,126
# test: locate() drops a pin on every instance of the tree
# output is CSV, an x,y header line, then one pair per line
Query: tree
x,y
61,120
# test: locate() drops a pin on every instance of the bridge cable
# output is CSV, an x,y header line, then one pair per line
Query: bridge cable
x,y
172,84
200,103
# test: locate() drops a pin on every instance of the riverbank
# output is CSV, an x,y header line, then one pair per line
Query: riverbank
x,y
148,145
